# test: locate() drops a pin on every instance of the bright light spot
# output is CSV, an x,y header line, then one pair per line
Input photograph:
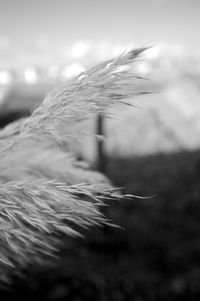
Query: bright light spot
x,y
5,77
118,49
103,51
166,64
73,70
153,52
30,75
80,49
53,71
143,68
176,50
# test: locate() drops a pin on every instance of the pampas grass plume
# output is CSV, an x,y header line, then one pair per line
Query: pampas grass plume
x,y
44,191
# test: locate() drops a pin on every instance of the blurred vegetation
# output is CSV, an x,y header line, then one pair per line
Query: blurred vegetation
x,y
156,256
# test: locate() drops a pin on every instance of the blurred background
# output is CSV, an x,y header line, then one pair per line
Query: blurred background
x,y
150,149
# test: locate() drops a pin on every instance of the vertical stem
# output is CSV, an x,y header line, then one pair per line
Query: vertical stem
x,y
101,157
101,165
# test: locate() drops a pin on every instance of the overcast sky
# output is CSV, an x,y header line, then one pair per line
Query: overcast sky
x,y
40,26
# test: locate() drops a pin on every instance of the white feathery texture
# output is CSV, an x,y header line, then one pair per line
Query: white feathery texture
x,y
44,190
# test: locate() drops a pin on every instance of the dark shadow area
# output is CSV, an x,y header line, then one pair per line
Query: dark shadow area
x,y
156,254
5,119
20,100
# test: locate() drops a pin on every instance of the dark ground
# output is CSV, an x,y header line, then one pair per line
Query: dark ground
x,y
155,257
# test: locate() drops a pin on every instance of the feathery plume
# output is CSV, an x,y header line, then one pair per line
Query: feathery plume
x,y
44,191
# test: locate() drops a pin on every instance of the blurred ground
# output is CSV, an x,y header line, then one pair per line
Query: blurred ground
x,y
157,254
